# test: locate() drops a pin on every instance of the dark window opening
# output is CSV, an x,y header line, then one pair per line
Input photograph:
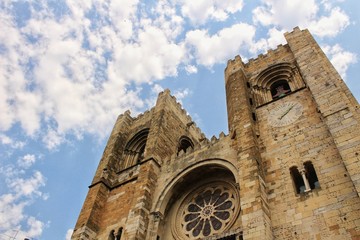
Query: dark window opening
x,y
248,84
254,116
297,179
232,237
311,175
184,144
119,233
280,89
157,238
251,101
111,235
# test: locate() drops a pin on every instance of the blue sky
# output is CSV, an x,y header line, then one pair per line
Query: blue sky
x,y
69,68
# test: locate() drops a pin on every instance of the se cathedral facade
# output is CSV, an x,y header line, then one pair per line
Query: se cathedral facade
x,y
288,168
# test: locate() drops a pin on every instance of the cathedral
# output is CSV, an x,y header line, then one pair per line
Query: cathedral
x,y
288,168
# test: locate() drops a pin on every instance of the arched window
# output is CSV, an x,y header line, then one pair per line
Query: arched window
x,y
275,81
311,175
184,144
119,233
297,179
306,179
135,149
280,89
111,235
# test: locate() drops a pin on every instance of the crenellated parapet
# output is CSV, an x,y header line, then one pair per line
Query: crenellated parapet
x,y
204,145
180,111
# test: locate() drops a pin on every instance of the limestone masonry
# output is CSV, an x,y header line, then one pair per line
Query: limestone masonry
x,y
288,168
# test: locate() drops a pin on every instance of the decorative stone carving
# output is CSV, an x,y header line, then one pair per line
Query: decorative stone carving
x,y
206,211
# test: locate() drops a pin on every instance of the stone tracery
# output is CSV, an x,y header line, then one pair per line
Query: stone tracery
x,y
207,211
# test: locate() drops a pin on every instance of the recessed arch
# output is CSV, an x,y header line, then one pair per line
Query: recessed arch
x,y
273,74
286,75
135,148
219,163
206,179
184,144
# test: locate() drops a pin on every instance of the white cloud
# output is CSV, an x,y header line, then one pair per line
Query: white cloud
x,y
202,10
26,161
221,46
340,58
328,4
29,186
21,193
36,227
52,139
122,14
152,57
68,234
11,212
167,19
6,140
330,25
286,14
191,69
275,37
180,94
156,89
303,13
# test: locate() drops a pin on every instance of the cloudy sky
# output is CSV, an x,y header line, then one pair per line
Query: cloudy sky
x,y
69,68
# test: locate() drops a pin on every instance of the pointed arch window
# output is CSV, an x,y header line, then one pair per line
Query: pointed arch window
x,y
135,149
184,144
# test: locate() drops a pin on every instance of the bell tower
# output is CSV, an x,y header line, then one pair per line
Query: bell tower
x,y
292,109
119,200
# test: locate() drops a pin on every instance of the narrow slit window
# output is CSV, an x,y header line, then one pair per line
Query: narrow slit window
x,y
311,175
297,180
111,235
119,233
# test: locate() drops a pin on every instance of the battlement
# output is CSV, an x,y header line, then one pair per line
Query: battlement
x,y
270,55
166,94
204,145
145,114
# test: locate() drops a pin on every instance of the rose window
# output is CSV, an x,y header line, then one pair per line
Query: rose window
x,y
208,211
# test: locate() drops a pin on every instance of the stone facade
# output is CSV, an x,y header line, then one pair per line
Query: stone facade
x,y
288,169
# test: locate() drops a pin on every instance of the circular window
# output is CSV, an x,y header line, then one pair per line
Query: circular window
x,y
208,210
